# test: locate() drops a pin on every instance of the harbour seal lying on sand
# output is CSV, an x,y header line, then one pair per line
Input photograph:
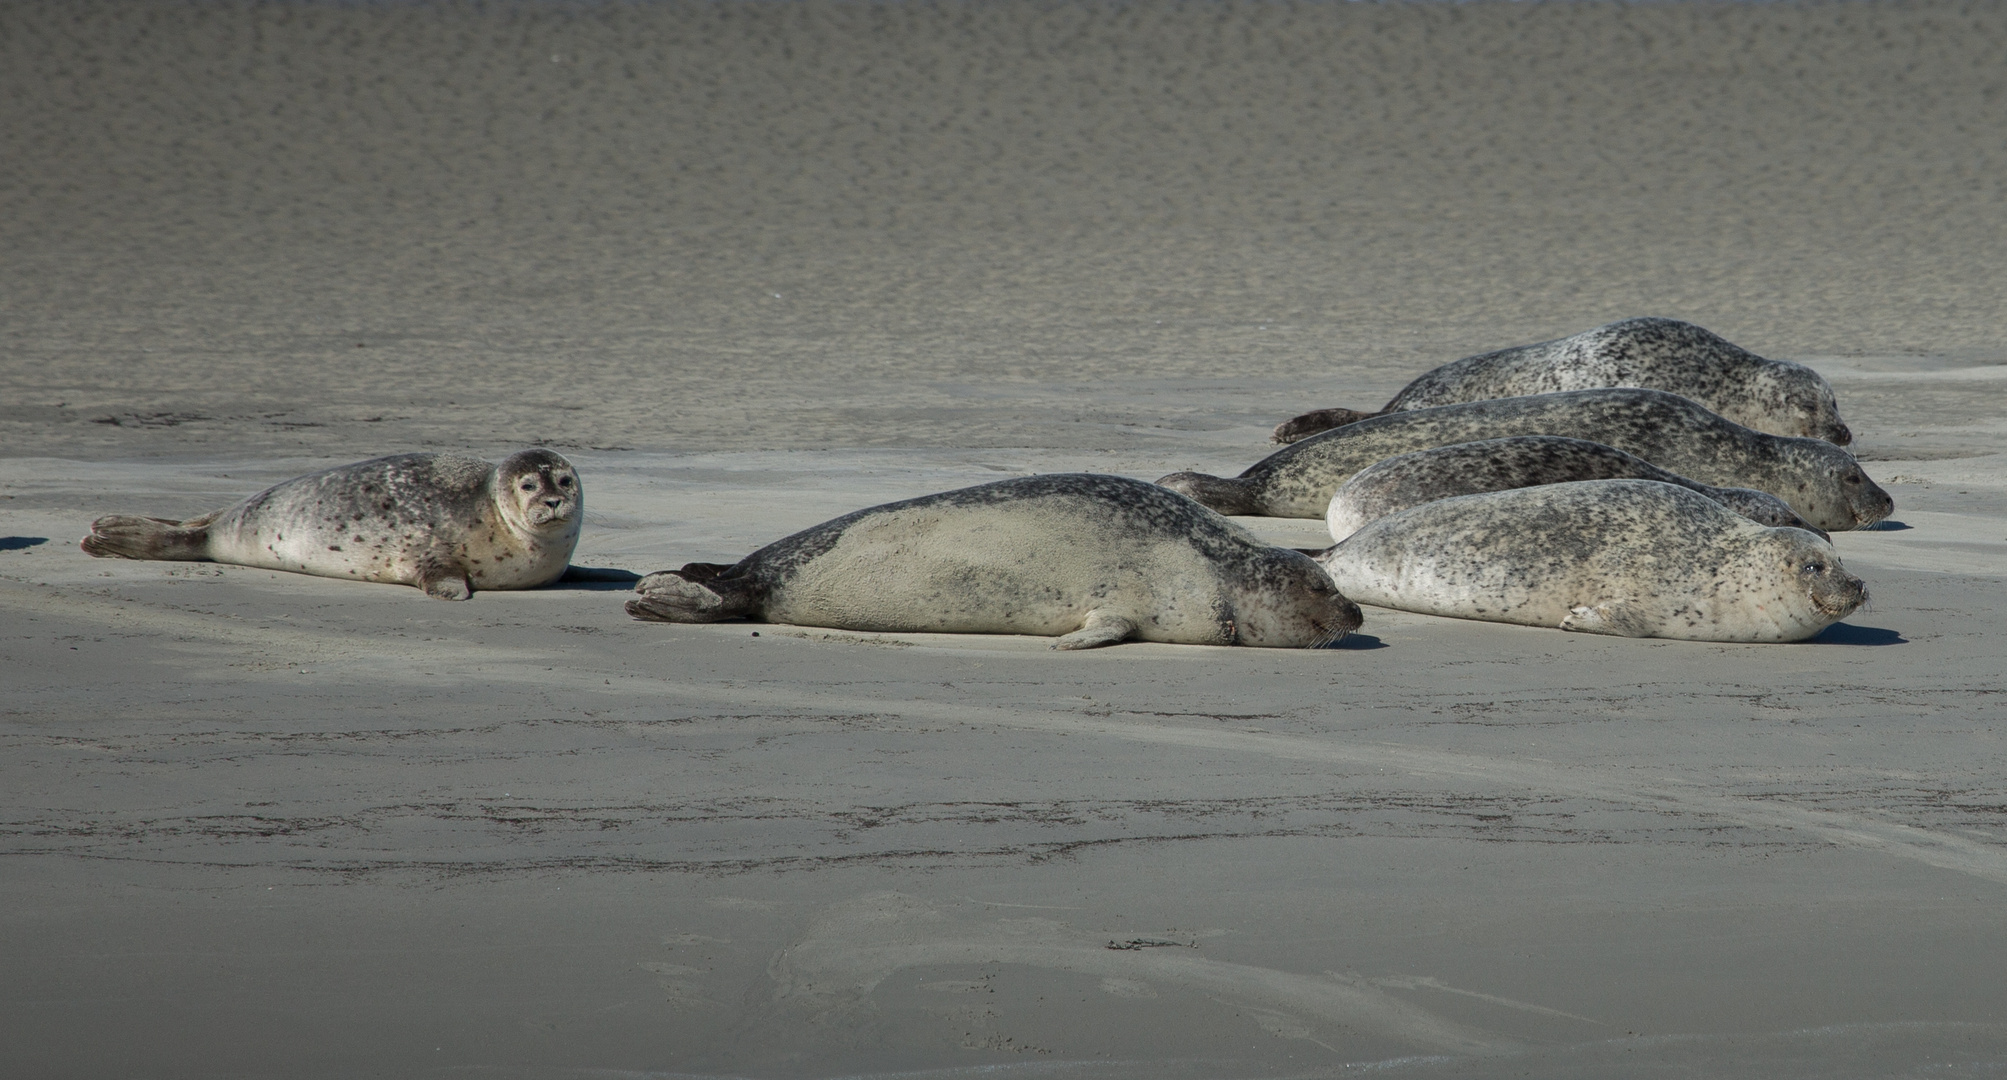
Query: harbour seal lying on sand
x,y
447,523
1821,482
1095,559
1635,558
1773,396
1521,461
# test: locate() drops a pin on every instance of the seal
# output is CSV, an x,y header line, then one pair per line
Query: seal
x,y
447,523
1773,396
1092,559
1821,482
1634,558
1521,461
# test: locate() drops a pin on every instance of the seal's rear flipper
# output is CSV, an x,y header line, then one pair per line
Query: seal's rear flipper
x,y
121,536
690,596
1215,493
1310,423
1100,629
1615,618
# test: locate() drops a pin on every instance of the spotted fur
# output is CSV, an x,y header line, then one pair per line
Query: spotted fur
x,y
1774,396
446,523
1635,558
1821,482
1468,468
1092,559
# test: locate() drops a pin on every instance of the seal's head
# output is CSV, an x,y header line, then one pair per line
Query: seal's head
x,y
538,490
1865,499
1798,398
1816,566
1814,401
1827,487
1288,601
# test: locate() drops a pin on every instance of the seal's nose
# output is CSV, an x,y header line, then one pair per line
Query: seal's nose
x,y
1842,435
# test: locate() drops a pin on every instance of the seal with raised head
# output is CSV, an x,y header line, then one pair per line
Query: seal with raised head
x,y
449,524
1634,558
1520,461
1774,396
1092,559
1821,482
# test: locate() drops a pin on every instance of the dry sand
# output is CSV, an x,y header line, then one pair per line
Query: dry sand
x,y
755,264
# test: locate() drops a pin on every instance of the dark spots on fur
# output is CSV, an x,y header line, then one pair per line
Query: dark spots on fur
x,y
334,547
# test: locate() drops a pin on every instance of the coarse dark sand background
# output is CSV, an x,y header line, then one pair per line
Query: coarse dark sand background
x,y
755,264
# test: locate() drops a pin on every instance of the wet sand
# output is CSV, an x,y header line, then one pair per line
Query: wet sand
x,y
754,265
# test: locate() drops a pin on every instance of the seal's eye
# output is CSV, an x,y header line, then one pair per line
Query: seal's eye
x,y
1854,478
1815,567
564,481
529,485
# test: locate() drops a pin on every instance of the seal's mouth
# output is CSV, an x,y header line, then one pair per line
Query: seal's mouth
x,y
1328,635
1842,599
544,517
1883,506
1349,618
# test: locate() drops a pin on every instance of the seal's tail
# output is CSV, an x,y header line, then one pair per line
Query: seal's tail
x,y
695,593
1215,493
121,536
1310,423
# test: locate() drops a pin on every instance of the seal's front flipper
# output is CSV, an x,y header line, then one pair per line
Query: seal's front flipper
x,y
444,578
121,536
1100,629
1311,423
689,595
1617,618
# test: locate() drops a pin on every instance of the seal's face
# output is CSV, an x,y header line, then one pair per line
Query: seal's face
x,y
1293,604
1865,499
1821,414
539,490
1816,567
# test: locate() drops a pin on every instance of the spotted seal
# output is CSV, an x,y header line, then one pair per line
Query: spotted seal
x,y
447,523
1821,482
1093,559
1634,558
1773,396
1468,468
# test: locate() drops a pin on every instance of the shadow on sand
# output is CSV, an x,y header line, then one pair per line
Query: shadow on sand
x,y
595,579
16,543
1843,634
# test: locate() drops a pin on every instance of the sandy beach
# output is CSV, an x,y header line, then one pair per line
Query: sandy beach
x,y
753,265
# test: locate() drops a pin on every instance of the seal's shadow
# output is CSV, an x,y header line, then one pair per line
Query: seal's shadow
x,y
1356,640
595,579
1843,634
1886,525
16,543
